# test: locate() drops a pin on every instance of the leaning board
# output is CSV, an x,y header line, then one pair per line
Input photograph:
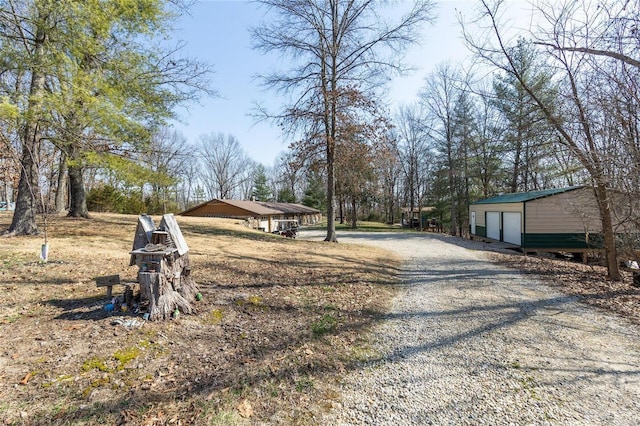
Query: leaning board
x,y
170,225
143,234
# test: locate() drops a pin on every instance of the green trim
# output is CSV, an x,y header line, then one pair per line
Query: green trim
x,y
523,243
562,241
481,231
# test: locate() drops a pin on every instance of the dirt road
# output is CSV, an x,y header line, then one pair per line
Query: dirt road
x,y
468,341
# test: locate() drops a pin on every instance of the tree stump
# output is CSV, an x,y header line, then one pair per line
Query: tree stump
x,y
164,270
167,285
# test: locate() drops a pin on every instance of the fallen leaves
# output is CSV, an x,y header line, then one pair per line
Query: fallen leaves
x,y
26,378
233,361
589,282
244,409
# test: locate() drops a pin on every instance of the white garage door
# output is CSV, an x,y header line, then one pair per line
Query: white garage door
x,y
511,228
493,225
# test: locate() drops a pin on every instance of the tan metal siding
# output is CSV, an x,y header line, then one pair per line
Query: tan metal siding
x,y
480,210
568,212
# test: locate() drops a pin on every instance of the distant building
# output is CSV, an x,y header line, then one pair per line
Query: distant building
x,y
268,217
419,216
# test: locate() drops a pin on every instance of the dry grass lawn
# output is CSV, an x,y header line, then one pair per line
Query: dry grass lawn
x,y
279,321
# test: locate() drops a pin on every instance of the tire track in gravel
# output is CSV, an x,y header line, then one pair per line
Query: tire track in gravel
x,y
468,341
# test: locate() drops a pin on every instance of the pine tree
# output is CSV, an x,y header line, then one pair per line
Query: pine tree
x,y
261,190
315,195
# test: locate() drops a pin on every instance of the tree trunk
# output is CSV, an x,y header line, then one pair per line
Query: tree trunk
x,y
454,217
453,194
331,194
354,213
169,288
77,194
608,233
24,216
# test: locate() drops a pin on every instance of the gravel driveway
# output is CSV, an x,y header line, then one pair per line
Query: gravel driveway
x,y
468,341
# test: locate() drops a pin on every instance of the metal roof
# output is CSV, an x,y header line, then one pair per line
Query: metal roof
x,y
523,197
260,208
289,208
252,207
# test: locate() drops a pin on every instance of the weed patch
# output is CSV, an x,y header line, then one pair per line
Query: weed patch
x,y
95,363
324,325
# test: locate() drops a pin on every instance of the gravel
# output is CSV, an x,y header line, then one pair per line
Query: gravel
x,y
470,342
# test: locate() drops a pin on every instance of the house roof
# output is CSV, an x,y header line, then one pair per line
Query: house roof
x,y
252,206
288,207
523,197
260,208
425,209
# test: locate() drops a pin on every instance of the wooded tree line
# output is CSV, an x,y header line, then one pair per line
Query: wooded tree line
x,y
86,86
85,100
555,107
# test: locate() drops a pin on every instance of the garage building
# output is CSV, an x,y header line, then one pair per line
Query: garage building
x,y
565,219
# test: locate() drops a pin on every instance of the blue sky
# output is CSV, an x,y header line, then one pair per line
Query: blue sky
x,y
217,32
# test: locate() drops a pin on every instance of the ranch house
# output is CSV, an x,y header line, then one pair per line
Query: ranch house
x,y
268,217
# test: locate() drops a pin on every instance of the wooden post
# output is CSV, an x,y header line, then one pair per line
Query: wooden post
x,y
108,281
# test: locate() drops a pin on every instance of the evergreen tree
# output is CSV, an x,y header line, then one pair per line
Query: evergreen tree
x,y
285,195
527,135
86,77
465,133
261,190
315,195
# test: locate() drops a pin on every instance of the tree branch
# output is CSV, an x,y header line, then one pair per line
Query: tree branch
x,y
596,52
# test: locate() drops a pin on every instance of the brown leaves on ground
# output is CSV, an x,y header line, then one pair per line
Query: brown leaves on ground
x,y
588,282
278,320
245,409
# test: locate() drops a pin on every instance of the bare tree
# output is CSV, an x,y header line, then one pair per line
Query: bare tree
x,y
288,177
439,97
610,30
416,155
388,170
579,122
224,166
188,182
353,171
165,158
338,48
